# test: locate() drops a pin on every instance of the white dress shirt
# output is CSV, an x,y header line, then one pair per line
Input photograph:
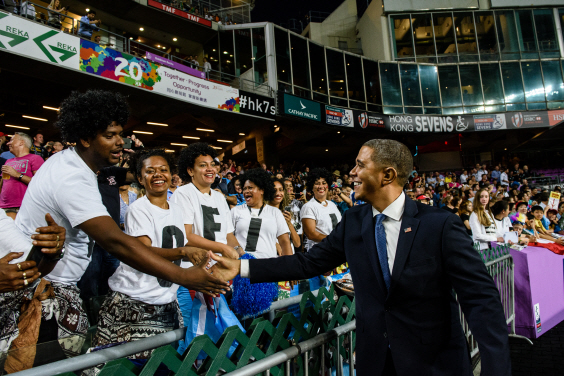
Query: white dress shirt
x,y
392,226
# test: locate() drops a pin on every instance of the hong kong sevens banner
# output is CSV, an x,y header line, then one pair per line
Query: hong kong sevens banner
x,y
119,66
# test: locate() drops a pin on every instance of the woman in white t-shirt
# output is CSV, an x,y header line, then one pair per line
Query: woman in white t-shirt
x,y
206,215
482,221
258,226
282,202
160,226
319,216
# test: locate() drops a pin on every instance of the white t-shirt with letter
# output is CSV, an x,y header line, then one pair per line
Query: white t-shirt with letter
x,y
326,218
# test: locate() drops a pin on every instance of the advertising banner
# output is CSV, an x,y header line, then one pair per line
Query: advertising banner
x,y
32,39
429,123
489,122
555,117
237,148
339,116
301,107
174,65
258,105
138,72
368,120
527,119
178,12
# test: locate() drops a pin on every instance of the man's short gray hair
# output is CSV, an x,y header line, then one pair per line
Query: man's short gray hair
x,y
27,140
391,153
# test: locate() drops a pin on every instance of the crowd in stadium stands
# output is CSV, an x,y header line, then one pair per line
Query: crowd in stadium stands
x,y
124,210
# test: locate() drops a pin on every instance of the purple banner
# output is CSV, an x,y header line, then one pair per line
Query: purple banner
x,y
174,65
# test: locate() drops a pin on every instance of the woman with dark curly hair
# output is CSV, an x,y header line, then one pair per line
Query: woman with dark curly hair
x,y
319,216
159,225
67,189
207,219
258,227
235,190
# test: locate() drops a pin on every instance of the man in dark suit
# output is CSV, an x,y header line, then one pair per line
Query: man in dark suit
x,y
405,260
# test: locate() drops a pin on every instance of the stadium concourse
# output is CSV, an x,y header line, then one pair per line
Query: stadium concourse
x,y
150,151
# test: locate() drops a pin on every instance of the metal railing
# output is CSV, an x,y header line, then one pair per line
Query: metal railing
x,y
501,268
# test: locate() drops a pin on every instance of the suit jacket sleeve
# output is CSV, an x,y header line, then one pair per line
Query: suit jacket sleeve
x,y
478,296
321,258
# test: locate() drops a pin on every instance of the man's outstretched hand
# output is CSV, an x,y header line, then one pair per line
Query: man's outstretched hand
x,y
199,279
226,268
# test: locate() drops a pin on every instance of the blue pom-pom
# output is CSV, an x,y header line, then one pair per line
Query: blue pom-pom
x,y
252,299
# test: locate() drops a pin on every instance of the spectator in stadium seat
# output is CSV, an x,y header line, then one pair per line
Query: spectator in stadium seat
x,y
37,147
483,181
207,67
55,15
496,173
88,25
17,173
27,10
482,220
57,147
97,39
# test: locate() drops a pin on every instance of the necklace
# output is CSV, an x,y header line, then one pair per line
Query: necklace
x,y
260,211
324,203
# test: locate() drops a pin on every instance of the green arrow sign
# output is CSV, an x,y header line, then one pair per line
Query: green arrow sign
x,y
2,15
65,54
39,41
16,39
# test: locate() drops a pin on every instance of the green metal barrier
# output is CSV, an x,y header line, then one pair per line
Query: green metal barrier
x,y
492,254
263,338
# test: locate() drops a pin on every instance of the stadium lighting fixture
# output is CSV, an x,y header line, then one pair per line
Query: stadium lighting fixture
x,y
141,29
229,142
50,108
241,134
176,144
174,39
191,137
15,126
142,132
159,124
204,130
34,118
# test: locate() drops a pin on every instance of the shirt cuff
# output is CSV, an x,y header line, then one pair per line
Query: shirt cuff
x,y
245,272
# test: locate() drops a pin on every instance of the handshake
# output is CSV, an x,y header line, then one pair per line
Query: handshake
x,y
210,273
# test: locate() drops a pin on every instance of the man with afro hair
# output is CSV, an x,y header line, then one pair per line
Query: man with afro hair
x,y
66,188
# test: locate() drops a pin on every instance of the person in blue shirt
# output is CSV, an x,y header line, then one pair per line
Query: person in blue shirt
x,y
88,25
496,174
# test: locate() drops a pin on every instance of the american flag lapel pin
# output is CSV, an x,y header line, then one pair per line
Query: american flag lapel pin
x,y
407,229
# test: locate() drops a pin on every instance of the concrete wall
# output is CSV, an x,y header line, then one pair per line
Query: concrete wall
x,y
408,5
339,26
374,33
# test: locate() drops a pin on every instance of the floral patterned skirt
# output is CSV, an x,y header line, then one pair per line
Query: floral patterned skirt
x,y
123,319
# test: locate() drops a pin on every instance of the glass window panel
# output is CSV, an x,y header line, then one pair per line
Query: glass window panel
x,y
402,36
339,101
452,111
534,89
282,54
243,54
284,88
487,41
444,37
226,56
555,105
495,108
390,84
430,85
507,35
320,97
546,34
410,84
300,65
491,82
336,68
393,110
516,107
211,53
433,111
317,65
553,84
471,85
259,56
372,81
302,93
423,34
450,86
413,110
536,106
354,77
374,108
512,83
466,36
474,110
357,105
527,38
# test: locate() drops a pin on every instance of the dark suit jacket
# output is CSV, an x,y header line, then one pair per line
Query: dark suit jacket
x,y
418,319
